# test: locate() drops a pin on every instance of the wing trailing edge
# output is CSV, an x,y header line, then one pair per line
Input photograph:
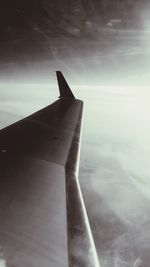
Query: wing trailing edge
x,y
64,89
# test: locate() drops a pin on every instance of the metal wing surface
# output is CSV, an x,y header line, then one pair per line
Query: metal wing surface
x,y
43,221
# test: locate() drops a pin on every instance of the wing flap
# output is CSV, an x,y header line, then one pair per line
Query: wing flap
x,y
33,217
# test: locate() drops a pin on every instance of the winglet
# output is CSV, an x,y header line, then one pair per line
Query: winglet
x,y
64,89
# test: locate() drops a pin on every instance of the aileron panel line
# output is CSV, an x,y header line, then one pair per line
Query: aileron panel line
x,y
81,247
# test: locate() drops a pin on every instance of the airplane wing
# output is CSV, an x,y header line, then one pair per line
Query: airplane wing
x,y
43,221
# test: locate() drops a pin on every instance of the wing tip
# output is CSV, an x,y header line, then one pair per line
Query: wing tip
x,y
64,89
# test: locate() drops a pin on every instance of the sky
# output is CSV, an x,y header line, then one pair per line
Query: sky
x,y
106,62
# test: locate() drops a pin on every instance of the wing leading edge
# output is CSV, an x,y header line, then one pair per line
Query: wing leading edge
x,y
43,217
